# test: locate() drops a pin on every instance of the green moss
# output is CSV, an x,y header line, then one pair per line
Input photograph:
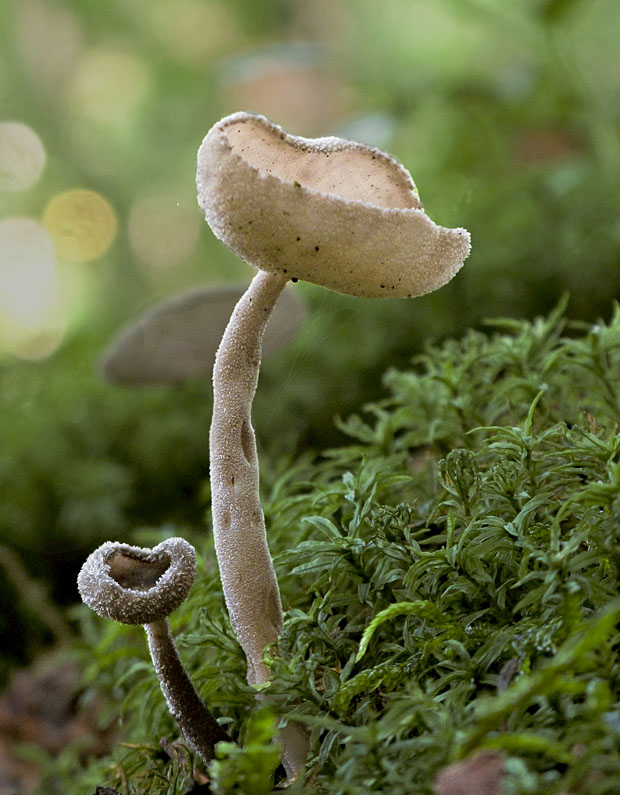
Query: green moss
x,y
450,582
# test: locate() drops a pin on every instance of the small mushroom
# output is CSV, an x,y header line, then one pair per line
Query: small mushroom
x,y
136,585
337,213
178,339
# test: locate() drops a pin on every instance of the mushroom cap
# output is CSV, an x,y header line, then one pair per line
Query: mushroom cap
x,y
178,339
333,212
137,585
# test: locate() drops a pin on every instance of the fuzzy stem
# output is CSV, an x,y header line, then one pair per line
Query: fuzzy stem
x,y
198,725
248,577
246,569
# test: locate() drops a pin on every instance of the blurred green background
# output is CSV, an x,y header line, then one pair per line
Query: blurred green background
x,y
506,114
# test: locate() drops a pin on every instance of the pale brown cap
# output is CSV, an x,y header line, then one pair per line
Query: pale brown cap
x,y
333,212
137,585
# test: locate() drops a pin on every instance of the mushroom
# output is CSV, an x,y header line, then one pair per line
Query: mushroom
x,y
333,212
177,340
136,585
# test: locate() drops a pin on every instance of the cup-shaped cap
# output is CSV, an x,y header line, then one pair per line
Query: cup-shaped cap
x,y
329,211
137,585
178,339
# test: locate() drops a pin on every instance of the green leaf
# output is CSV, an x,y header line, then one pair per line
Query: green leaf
x,y
419,608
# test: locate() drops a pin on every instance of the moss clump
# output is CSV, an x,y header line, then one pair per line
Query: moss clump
x,y
450,581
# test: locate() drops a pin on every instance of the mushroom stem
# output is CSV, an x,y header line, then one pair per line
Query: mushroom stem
x,y
246,569
198,725
248,577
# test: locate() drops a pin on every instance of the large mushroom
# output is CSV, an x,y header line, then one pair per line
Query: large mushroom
x,y
333,212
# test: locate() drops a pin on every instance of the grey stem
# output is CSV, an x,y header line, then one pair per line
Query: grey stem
x,y
248,577
246,569
198,725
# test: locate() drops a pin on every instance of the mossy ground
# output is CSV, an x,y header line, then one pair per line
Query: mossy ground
x,y
450,581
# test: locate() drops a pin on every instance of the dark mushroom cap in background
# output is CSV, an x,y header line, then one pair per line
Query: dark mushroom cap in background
x,y
178,339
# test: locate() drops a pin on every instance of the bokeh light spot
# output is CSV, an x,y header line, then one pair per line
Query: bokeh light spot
x,y
22,156
162,230
82,224
31,321
49,39
109,86
288,83
194,31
